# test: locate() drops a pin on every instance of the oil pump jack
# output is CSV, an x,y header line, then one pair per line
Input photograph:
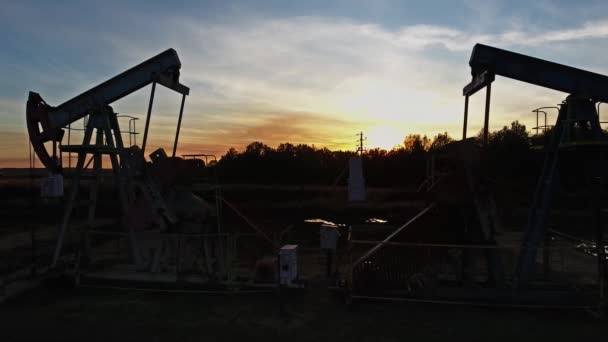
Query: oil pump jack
x,y
577,129
150,199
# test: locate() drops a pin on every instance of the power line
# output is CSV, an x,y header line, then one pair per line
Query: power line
x,y
361,139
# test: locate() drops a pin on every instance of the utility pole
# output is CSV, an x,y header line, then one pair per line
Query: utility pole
x,y
360,148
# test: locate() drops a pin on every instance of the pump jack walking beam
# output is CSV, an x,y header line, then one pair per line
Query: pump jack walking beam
x,y
45,123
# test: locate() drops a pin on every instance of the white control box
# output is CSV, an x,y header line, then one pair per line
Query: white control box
x,y
329,237
288,264
52,186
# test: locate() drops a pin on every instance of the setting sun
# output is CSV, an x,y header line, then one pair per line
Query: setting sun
x,y
385,137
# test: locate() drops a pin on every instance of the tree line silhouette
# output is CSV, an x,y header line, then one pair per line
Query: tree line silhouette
x,y
509,154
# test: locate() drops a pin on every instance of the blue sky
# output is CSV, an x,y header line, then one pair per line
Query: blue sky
x,y
310,71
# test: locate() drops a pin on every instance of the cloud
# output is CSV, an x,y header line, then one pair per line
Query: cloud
x,y
359,72
591,30
271,127
337,69
308,78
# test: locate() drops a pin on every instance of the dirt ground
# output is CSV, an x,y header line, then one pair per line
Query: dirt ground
x,y
112,315
86,314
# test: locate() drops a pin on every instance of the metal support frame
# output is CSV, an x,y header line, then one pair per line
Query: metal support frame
x,y
595,185
104,123
537,126
545,189
539,111
598,114
486,120
143,145
206,156
132,132
72,196
466,117
392,235
480,81
179,121
179,124
69,128
69,137
541,202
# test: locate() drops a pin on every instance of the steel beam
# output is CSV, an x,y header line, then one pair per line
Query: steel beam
x,y
486,120
536,71
466,117
162,68
478,82
143,145
179,124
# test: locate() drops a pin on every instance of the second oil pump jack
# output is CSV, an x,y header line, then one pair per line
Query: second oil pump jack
x,y
457,248
577,129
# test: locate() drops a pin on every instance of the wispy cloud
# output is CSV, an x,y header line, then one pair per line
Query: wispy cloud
x,y
308,78
356,71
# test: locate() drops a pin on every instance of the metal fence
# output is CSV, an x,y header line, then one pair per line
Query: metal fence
x,y
476,272
212,256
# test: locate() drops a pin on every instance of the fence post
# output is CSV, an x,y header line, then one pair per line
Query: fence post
x,y
348,288
547,255
33,251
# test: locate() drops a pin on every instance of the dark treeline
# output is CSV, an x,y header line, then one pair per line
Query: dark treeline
x,y
509,155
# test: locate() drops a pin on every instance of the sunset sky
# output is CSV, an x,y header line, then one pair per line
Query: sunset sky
x,y
314,72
